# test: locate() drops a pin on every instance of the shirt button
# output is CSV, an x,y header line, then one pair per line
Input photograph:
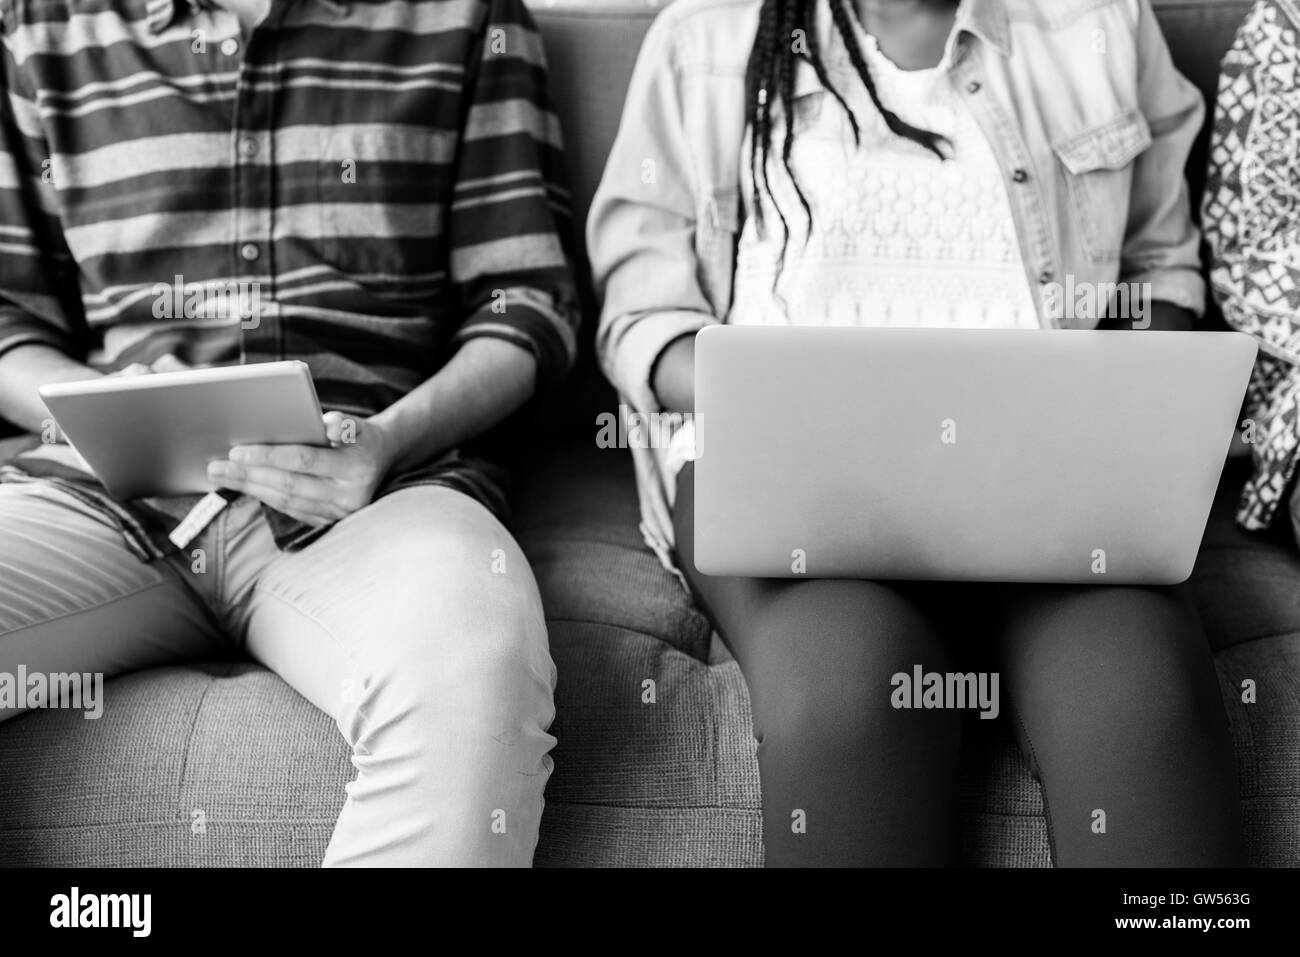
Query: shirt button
x,y
973,86
249,252
1020,176
247,147
229,46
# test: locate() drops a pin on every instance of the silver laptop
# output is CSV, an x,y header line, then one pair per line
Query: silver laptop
x,y
965,455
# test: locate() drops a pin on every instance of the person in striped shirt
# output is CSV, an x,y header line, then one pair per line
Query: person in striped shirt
x,y
369,186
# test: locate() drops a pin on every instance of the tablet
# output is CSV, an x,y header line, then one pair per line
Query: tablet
x,y
152,435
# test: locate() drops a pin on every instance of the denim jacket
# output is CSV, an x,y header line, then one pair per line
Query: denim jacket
x,y
1079,99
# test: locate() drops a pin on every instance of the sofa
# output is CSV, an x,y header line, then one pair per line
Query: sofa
x,y
221,764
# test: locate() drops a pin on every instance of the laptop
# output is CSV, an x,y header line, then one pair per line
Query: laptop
x,y
961,455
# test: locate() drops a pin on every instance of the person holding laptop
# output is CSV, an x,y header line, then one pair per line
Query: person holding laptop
x,y
372,190
919,163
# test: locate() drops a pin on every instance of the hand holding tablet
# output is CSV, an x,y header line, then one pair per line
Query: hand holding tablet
x,y
155,434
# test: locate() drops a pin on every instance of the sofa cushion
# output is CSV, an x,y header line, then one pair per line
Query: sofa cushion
x,y
1266,738
212,763
575,514
1246,584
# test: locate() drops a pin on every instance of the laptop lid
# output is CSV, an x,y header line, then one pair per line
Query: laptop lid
x,y
965,455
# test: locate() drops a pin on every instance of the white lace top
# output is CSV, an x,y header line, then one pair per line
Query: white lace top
x,y
899,237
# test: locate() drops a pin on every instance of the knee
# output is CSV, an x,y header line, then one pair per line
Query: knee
x,y
486,674
1123,657
1162,611
829,661
502,664
458,602
1118,614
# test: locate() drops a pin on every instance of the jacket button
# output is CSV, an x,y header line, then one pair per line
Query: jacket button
x,y
1020,176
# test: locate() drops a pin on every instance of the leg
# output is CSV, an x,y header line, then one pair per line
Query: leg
x,y
876,785
74,599
416,624
1119,711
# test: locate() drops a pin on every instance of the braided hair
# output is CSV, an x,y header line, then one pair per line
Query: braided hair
x,y
769,77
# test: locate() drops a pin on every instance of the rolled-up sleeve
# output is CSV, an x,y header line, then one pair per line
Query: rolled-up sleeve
x,y
510,218
641,231
39,302
1162,243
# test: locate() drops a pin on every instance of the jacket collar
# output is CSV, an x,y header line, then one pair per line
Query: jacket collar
x,y
986,19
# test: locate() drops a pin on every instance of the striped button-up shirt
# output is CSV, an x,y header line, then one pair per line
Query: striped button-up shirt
x,y
360,184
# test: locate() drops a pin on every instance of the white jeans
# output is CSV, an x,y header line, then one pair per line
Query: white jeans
x,y
415,623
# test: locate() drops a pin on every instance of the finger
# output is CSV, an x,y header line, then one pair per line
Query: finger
x,y
304,510
169,363
314,518
291,486
340,428
291,458
135,368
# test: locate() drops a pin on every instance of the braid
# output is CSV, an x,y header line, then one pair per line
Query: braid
x,y
840,14
814,59
758,94
785,86
770,74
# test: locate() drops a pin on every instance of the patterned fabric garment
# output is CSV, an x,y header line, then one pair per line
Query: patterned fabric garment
x,y
1252,224
900,238
362,185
